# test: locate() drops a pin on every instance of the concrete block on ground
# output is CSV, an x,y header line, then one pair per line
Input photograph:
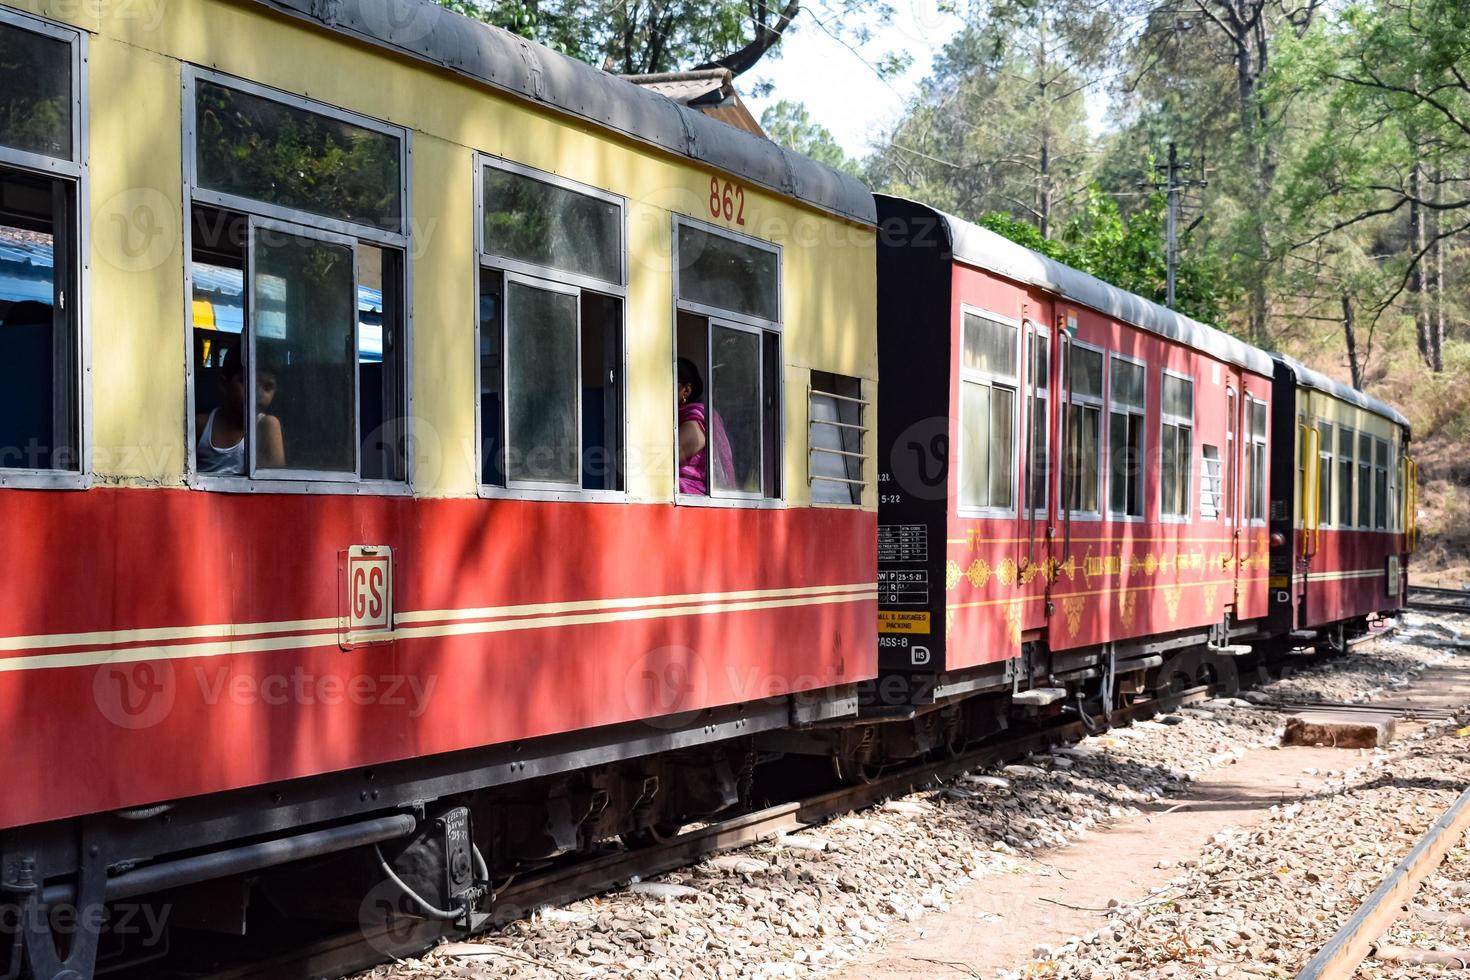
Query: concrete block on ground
x,y
1339,729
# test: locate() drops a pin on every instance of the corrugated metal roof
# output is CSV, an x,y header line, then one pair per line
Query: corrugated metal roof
x,y
995,253
1308,378
425,31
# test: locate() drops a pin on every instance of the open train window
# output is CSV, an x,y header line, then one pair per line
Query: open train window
x,y
728,374
989,363
1259,466
1127,388
1345,439
552,290
1176,437
297,278
1084,429
41,169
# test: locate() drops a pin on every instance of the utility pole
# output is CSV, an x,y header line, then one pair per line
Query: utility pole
x,y
1171,184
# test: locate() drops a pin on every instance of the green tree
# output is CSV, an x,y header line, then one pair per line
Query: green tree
x,y
790,124
638,37
1390,164
1128,252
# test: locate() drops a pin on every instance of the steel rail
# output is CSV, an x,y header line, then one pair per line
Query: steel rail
x,y
1355,941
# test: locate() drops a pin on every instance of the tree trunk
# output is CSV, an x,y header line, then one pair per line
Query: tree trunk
x,y
1350,335
1246,61
1436,325
1417,239
1044,192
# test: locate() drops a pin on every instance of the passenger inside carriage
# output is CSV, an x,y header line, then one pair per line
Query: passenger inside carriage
x,y
221,446
693,434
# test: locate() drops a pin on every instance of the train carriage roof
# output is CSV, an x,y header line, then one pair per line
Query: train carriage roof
x,y
426,32
1307,378
984,249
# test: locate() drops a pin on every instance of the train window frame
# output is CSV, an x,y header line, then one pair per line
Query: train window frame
x,y
1168,419
771,333
1327,474
1037,408
844,418
72,173
1073,399
1382,490
261,214
1130,411
1347,469
1364,457
1256,441
1232,450
532,275
991,380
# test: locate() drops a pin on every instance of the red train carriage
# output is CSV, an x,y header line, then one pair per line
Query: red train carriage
x,y
457,563
1342,506
1074,478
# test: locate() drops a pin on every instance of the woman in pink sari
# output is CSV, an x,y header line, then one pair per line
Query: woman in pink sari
x,y
693,436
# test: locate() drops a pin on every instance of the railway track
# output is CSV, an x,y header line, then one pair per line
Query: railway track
x,y
1439,600
1357,940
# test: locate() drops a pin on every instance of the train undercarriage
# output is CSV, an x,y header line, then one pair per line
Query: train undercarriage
x,y
427,844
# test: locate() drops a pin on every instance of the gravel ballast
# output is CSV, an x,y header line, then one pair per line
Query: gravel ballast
x,y
1255,903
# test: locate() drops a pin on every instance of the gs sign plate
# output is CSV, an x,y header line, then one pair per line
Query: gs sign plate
x,y
369,593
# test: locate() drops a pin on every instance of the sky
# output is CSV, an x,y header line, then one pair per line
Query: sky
x,y
838,84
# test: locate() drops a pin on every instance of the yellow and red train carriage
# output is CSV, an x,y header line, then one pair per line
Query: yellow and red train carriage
x,y
350,354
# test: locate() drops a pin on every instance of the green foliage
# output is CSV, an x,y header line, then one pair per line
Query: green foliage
x,y
790,124
634,37
1128,252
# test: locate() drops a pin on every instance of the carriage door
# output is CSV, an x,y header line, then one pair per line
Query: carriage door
x,y
1230,497
1308,500
1036,442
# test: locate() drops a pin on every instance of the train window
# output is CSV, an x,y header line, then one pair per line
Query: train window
x,y
1127,390
548,225
836,413
550,333
1345,440
1038,470
988,383
1084,429
298,284
1365,480
721,273
1258,459
1177,441
1380,485
36,75
274,151
1324,474
728,355
41,169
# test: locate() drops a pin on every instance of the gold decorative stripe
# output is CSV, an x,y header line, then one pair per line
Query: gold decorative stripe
x,y
1130,588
